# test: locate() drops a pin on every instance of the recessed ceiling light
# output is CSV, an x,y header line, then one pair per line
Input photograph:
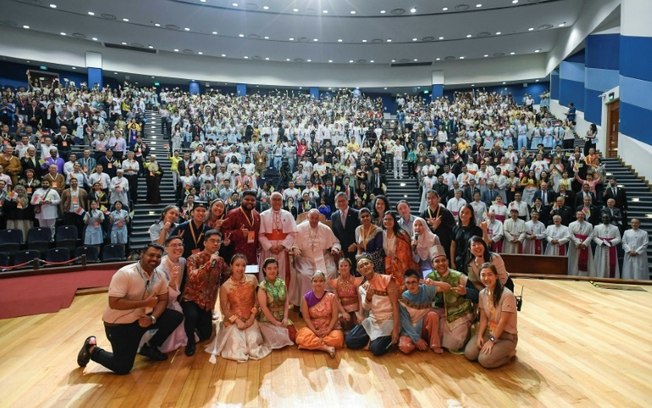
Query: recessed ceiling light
x,y
469,35
325,11
531,29
389,40
364,41
291,38
512,53
372,61
124,43
350,61
308,60
352,11
73,67
200,53
498,32
223,55
115,73
441,38
562,24
315,39
296,10
393,60
151,47
537,50
415,39
157,25
53,5
478,5
385,88
437,59
413,10
472,85
186,29
266,37
514,1
416,59
26,27
214,32
504,82
330,60
486,55
126,20
266,58
241,35
62,33
235,4
383,11
536,80
444,9
265,7
339,40
176,50
462,57
90,13
246,57
203,1
287,59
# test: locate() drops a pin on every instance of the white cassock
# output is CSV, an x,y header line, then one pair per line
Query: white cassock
x,y
314,246
495,232
427,184
277,228
454,205
561,234
580,261
538,231
635,267
513,230
521,206
118,188
605,258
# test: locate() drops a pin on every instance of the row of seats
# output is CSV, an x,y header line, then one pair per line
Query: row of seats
x,y
59,256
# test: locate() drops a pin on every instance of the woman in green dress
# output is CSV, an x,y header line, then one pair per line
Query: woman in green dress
x,y
277,329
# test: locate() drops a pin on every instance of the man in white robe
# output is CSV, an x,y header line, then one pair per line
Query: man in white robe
x,y
558,236
514,232
46,206
276,236
635,242
605,259
118,188
495,232
580,254
535,235
313,250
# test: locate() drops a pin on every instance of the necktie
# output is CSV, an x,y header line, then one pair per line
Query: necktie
x,y
544,197
344,219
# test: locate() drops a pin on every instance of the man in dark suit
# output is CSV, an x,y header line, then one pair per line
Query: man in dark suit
x,y
469,190
560,208
546,195
579,198
328,193
344,221
617,193
614,213
377,181
591,212
490,194
347,190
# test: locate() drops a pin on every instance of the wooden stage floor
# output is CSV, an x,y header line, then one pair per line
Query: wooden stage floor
x,y
579,346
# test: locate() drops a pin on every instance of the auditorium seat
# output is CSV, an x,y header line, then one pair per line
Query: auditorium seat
x,y
57,255
113,253
21,257
92,253
66,237
10,240
5,260
39,239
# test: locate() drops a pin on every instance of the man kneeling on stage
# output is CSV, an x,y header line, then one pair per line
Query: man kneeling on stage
x,y
138,296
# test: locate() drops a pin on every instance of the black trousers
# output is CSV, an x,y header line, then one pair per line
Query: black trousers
x,y
133,187
125,339
197,319
358,338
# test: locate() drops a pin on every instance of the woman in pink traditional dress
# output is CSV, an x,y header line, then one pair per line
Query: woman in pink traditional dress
x,y
278,330
240,337
319,310
346,290
173,265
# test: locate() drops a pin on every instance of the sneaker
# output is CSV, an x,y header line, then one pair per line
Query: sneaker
x,y
84,355
152,353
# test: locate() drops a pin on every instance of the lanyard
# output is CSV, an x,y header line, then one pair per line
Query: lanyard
x,y
194,237
249,221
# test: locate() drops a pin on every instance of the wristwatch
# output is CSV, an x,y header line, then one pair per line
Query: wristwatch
x,y
492,339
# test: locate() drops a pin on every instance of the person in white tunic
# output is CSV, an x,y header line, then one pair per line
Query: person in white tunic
x,y
607,237
635,242
276,236
495,232
427,184
514,233
313,249
535,235
46,206
580,254
558,236
456,203
118,188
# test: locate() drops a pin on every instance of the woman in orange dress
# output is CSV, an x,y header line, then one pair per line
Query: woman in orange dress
x,y
320,312
240,336
345,287
398,249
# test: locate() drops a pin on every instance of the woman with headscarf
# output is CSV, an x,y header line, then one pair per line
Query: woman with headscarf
x,y
423,245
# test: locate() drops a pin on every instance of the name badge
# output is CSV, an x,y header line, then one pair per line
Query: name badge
x,y
251,237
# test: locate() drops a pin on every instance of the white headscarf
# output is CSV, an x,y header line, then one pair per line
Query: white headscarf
x,y
425,242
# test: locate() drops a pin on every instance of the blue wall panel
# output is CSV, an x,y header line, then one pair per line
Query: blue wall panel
x,y
602,51
593,106
571,91
636,92
635,122
95,77
554,85
571,71
241,89
636,57
601,79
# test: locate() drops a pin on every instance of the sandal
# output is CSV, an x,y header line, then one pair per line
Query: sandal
x,y
84,355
